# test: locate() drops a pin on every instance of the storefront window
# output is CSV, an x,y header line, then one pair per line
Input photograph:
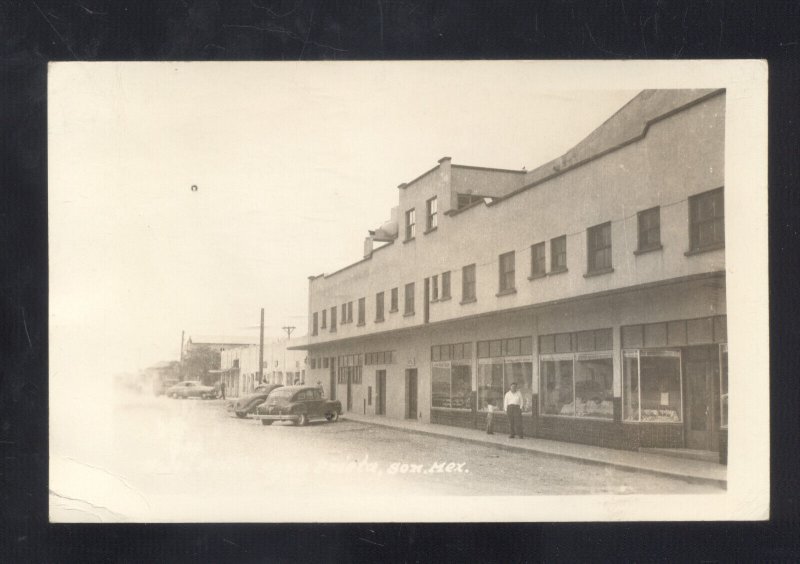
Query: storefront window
x,y
520,370
557,385
652,386
490,383
723,385
451,384
594,374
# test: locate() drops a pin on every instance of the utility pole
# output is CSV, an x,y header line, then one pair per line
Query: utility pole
x,y
288,330
180,365
261,350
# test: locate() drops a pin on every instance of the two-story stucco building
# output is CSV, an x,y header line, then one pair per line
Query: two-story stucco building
x,y
281,365
596,282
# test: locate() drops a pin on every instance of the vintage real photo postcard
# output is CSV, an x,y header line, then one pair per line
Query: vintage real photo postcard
x,y
408,291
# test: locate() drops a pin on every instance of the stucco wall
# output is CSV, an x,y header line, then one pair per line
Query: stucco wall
x,y
684,300
679,157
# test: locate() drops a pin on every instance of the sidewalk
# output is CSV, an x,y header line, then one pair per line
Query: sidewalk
x,y
696,471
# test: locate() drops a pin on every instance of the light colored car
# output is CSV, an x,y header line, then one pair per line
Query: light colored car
x,y
191,389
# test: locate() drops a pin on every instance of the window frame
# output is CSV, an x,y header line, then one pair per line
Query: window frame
x,y
555,254
324,324
507,276
431,214
642,230
362,311
315,324
409,291
591,250
536,260
435,288
445,292
394,300
694,202
333,320
469,279
411,224
379,306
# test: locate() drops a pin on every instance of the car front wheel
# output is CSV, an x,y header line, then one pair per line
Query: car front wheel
x,y
302,420
266,421
332,417
242,415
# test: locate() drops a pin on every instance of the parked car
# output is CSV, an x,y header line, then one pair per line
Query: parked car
x,y
160,386
247,404
191,389
299,404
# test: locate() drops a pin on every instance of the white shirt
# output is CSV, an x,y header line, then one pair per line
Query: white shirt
x,y
512,398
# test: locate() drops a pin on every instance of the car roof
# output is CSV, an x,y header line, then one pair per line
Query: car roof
x,y
298,388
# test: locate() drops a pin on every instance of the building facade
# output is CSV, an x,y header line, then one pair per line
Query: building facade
x,y
239,366
596,282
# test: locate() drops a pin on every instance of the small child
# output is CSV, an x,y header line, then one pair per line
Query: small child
x,y
490,408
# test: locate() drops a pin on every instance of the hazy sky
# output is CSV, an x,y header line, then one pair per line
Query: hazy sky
x,y
294,162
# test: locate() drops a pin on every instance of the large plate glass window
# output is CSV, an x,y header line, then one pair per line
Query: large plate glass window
x,y
451,376
651,386
501,362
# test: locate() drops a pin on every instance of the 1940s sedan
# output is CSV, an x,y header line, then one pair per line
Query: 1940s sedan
x,y
247,404
299,404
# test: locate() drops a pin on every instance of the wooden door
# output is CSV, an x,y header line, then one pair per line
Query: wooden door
x,y
411,393
380,392
700,373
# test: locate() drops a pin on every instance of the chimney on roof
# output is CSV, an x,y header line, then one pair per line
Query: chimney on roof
x,y
368,246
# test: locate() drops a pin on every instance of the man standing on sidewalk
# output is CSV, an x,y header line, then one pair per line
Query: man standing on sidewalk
x,y
512,402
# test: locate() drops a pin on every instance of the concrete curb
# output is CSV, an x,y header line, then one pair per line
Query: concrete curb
x,y
619,465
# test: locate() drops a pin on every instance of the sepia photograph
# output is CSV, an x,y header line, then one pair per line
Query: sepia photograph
x,y
440,291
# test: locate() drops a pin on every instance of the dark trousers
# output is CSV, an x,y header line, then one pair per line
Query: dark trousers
x,y
490,423
515,420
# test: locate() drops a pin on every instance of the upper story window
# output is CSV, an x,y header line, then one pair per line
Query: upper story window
x,y
538,260
333,318
314,327
445,286
324,318
707,221
649,229
598,246
409,303
506,272
468,283
432,209
349,312
411,224
393,305
434,288
379,306
344,313
362,313
558,254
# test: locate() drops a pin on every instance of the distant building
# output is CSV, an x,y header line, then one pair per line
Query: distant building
x,y
239,366
595,281
219,343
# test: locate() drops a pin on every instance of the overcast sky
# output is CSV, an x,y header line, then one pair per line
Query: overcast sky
x,y
294,162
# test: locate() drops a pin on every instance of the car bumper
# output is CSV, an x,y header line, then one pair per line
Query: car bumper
x,y
277,417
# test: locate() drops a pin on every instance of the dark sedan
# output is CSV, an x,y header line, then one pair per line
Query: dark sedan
x,y
247,404
299,404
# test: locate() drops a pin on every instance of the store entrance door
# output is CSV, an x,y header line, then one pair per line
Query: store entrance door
x,y
380,392
701,385
332,364
411,393
349,372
